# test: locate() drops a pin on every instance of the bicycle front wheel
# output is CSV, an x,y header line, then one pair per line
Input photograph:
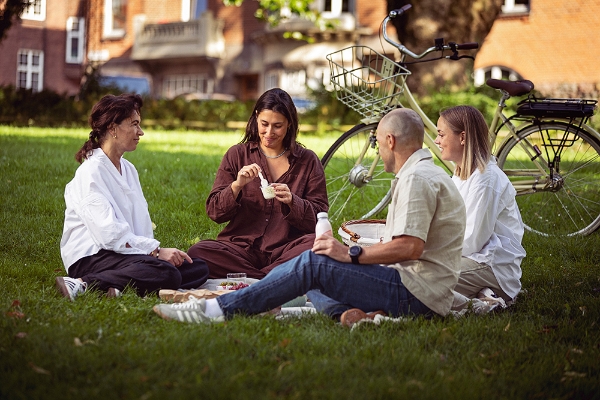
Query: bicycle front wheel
x,y
555,168
357,185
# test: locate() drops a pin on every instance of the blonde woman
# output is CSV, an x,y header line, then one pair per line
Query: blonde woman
x,y
492,250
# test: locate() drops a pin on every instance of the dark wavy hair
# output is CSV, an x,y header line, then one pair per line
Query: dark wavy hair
x,y
109,110
279,101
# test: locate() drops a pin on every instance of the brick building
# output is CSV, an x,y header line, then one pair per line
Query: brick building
x,y
195,48
550,42
202,49
46,49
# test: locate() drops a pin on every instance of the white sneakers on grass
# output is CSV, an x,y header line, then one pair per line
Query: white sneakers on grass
x,y
493,300
70,287
192,311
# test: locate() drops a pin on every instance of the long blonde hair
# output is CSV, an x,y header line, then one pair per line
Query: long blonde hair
x,y
477,149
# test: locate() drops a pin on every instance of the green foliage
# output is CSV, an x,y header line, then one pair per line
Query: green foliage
x,y
545,346
328,111
10,11
484,99
174,113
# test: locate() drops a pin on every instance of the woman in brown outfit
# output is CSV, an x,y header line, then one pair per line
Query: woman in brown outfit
x,y
261,233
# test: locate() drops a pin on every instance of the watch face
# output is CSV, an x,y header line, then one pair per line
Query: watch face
x,y
355,250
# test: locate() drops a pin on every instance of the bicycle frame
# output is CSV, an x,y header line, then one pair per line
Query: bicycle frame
x,y
499,121
546,147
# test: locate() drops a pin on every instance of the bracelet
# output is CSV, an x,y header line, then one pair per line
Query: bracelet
x,y
154,253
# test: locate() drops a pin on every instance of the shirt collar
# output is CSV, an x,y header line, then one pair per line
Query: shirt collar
x,y
419,155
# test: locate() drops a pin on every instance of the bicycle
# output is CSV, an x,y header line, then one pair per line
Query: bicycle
x,y
549,153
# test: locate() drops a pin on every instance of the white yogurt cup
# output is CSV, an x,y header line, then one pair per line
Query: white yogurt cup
x,y
268,192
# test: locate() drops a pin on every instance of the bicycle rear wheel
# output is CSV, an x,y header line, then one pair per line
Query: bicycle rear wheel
x,y
354,193
564,199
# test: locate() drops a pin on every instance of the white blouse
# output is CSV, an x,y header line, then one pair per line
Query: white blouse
x,y
494,226
105,210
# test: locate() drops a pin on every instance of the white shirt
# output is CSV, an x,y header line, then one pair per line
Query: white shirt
x,y
105,210
426,204
494,226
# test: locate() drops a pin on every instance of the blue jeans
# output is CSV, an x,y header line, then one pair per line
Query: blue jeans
x,y
368,287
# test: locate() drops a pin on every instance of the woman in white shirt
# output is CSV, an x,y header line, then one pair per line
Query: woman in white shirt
x,y
108,241
492,250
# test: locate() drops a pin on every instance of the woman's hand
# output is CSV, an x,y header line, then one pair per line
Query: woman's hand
x,y
247,174
244,176
283,193
174,256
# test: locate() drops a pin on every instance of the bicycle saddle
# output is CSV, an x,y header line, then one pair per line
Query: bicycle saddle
x,y
514,88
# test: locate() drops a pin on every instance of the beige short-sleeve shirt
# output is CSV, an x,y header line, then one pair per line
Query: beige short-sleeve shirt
x,y
426,204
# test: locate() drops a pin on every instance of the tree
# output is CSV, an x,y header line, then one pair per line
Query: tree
x,y
10,10
458,21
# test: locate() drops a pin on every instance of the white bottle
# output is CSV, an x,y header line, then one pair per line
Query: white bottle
x,y
323,225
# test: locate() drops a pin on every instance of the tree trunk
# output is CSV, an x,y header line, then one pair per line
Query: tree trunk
x,y
458,21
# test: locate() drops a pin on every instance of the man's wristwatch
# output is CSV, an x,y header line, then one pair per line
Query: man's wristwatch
x,y
354,252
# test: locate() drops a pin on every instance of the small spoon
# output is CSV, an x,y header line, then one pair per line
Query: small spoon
x,y
263,181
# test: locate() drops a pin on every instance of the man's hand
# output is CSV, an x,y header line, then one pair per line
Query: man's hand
x,y
328,246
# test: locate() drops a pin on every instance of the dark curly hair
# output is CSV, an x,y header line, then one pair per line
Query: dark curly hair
x,y
109,110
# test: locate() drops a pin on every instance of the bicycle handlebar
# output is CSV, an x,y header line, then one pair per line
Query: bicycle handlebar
x,y
439,45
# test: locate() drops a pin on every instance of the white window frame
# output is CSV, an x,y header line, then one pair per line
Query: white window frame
x,y
495,72
30,11
272,79
293,82
189,9
336,8
78,34
509,7
186,10
109,30
175,85
29,69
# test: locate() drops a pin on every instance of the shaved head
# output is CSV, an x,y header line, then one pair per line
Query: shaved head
x,y
405,125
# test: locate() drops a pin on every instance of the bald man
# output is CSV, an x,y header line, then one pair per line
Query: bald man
x,y
412,272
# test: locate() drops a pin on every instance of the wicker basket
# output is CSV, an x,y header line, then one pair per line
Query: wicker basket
x,y
364,232
365,80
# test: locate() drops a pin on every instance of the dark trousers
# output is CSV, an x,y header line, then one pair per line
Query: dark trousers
x,y
224,257
107,269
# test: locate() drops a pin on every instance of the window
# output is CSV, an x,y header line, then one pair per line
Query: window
x,y
481,75
36,10
294,82
334,8
30,69
321,78
192,9
271,80
75,40
115,18
515,6
175,85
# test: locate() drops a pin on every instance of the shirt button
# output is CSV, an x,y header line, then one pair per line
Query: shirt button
x,y
267,220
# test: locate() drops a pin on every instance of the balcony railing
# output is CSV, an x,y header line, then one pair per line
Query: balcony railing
x,y
198,38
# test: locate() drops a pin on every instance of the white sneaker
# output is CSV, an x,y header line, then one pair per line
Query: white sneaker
x,y
488,295
192,311
70,287
113,293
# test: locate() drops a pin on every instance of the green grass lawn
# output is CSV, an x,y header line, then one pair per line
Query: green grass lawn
x,y
546,346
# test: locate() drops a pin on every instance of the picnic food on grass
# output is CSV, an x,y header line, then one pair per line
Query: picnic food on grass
x,y
232,285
